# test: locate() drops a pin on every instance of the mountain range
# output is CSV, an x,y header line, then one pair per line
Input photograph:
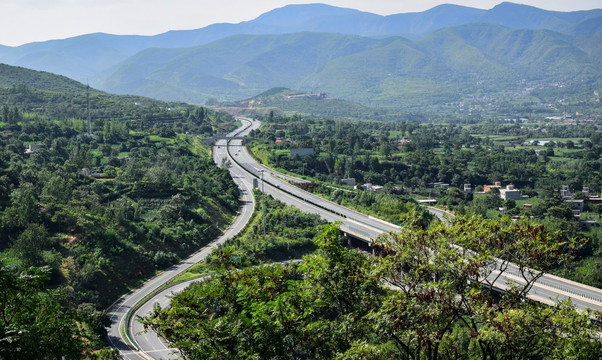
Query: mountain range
x,y
397,60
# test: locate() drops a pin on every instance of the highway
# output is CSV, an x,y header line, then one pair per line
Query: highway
x,y
292,195
243,169
152,347
545,290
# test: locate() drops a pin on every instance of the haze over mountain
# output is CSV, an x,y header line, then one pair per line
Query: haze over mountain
x,y
388,70
347,53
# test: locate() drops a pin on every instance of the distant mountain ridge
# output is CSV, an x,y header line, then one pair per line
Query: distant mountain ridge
x,y
386,70
401,60
88,57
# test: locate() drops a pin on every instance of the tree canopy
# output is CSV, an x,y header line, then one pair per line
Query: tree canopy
x,y
420,297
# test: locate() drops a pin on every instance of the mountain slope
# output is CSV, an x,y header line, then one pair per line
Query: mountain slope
x,y
587,27
531,53
387,71
88,57
59,97
12,76
242,62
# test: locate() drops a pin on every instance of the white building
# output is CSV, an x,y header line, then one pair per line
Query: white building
x,y
511,193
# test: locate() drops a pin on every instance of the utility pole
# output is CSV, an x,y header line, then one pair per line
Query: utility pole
x,y
263,202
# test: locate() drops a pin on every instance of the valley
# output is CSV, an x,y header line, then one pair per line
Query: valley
x,y
320,182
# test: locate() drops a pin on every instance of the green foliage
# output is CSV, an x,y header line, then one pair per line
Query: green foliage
x,y
447,292
289,234
36,322
100,222
31,243
39,95
419,298
389,207
274,311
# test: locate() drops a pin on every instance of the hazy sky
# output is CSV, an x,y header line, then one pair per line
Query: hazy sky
x,y
25,21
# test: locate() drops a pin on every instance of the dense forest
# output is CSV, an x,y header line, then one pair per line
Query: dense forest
x,y
87,216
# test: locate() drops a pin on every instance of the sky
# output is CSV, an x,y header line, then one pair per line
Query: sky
x,y
25,21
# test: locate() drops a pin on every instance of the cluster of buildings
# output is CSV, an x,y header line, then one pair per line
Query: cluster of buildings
x,y
506,193
577,205
366,186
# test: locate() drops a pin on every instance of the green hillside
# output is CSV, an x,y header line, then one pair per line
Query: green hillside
x,y
59,97
318,105
86,218
448,66
531,53
40,80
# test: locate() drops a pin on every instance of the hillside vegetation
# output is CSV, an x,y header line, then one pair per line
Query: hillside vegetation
x,y
450,65
91,216
419,299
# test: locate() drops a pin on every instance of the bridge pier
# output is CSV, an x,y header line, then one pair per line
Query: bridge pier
x,y
355,243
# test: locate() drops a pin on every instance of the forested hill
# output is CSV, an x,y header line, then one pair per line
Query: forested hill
x,y
86,218
58,97
281,101
40,80
450,65
216,61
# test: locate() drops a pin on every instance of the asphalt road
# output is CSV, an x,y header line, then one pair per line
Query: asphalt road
x,y
153,347
545,290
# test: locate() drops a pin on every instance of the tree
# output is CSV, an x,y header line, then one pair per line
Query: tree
x,y
420,297
445,305
14,115
34,323
562,211
385,149
316,310
23,209
105,149
30,244
5,113
226,163
510,204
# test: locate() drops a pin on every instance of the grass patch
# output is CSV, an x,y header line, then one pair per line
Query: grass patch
x,y
157,138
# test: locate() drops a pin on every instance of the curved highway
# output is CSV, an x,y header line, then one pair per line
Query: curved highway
x,y
243,169
147,345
